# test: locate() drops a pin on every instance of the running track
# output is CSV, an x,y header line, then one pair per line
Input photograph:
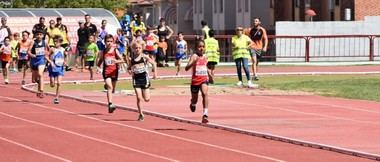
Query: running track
x,y
35,130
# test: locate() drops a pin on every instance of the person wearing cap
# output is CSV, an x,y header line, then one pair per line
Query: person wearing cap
x,y
40,26
64,33
83,35
240,54
38,52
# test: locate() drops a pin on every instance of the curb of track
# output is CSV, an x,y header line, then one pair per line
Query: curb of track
x,y
29,88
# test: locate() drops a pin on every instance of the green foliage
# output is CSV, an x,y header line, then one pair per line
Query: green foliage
x,y
107,4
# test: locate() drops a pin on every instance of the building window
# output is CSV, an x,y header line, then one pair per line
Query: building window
x,y
337,2
247,6
215,6
297,3
271,3
195,6
200,3
239,5
221,6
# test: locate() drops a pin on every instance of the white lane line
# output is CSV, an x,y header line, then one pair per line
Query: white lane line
x,y
35,150
298,112
154,132
362,109
87,137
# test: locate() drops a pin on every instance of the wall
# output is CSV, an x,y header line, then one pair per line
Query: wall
x,y
366,8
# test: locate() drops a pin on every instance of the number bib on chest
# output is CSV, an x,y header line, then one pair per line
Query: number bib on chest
x,y
201,71
90,53
23,52
139,68
109,61
59,61
40,51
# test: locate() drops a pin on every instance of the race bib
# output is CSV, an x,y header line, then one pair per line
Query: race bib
x,y
150,43
7,51
23,52
138,69
201,71
109,61
40,51
59,61
90,53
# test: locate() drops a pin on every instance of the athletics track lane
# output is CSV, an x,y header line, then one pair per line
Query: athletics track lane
x,y
85,132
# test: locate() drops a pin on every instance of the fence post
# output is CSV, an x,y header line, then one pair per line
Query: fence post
x,y
371,48
307,49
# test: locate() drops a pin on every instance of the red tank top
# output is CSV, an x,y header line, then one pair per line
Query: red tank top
x,y
110,67
200,71
149,43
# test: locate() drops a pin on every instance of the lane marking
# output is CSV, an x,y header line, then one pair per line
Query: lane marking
x,y
150,131
35,150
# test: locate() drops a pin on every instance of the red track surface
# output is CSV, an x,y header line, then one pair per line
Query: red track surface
x,y
35,130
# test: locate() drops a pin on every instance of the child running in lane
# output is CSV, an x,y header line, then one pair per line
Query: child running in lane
x,y
38,53
92,52
57,62
110,58
199,79
14,41
23,47
181,49
138,68
6,58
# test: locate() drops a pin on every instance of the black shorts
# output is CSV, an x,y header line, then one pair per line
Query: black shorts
x,y
3,64
150,52
196,88
22,63
81,50
141,81
90,63
211,64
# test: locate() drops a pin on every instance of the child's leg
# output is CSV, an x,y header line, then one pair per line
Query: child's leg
x,y
24,68
58,81
204,91
146,94
178,65
114,86
139,97
91,72
40,77
6,72
109,90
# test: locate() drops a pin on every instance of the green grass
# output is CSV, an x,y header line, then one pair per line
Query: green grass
x,y
366,87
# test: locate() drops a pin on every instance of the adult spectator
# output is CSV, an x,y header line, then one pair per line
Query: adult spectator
x,y
52,31
40,27
83,35
102,35
137,24
164,31
5,31
259,37
90,26
205,30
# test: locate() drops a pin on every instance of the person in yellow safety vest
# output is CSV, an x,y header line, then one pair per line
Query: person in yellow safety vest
x,y
205,30
240,54
213,54
52,31
138,24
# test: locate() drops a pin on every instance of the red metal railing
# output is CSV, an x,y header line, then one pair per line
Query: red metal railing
x,y
303,48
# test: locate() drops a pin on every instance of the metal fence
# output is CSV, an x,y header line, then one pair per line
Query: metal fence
x,y
303,48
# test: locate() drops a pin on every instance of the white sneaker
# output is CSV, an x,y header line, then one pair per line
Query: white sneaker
x,y
250,85
240,83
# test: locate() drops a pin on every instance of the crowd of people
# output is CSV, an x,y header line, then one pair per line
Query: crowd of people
x,y
133,49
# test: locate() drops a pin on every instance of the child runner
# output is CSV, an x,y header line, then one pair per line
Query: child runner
x,y
212,52
110,58
150,41
199,79
92,52
37,52
14,40
181,48
6,58
140,76
56,68
161,52
23,47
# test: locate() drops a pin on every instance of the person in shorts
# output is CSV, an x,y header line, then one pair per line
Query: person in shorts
x,y
83,35
56,68
92,52
212,53
6,58
199,79
23,47
138,68
110,58
37,53
259,37
181,51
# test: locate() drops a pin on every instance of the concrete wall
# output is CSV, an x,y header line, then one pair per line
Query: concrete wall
x,y
230,14
327,48
260,9
182,24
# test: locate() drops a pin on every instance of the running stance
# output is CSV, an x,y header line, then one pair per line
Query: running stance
x,y
213,55
92,52
181,49
240,54
199,79
23,47
6,58
38,53
259,36
140,76
110,58
57,62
